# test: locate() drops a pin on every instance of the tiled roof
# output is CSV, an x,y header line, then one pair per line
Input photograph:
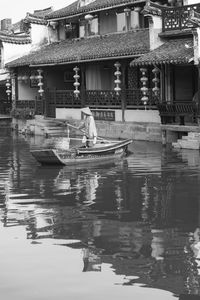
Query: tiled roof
x,y
152,8
14,38
172,51
41,13
73,9
130,44
31,18
38,17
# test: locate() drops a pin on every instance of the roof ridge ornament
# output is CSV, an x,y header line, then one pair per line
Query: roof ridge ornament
x,y
152,8
194,17
82,3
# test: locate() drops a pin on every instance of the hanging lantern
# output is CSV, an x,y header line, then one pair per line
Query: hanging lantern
x,y
88,17
117,81
25,78
19,78
127,11
8,86
155,80
33,77
76,83
53,24
144,89
40,83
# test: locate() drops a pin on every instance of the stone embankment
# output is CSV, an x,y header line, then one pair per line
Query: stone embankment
x,y
55,127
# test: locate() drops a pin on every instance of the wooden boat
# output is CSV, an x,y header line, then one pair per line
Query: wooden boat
x,y
100,153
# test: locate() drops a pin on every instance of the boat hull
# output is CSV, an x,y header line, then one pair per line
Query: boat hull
x,y
82,156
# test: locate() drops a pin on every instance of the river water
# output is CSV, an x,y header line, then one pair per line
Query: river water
x,y
126,230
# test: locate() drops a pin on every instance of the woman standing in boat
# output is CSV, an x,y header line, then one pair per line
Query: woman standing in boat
x,y
89,127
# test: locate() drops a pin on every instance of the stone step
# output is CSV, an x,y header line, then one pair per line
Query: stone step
x,y
187,138
189,144
194,135
176,145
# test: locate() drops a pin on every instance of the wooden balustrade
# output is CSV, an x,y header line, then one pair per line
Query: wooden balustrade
x,y
170,112
108,99
62,98
35,106
5,106
93,98
101,99
134,96
97,99
177,18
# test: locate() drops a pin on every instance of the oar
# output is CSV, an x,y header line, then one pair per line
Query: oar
x,y
102,139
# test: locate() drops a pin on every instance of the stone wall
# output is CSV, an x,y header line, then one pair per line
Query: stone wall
x,y
133,130
140,131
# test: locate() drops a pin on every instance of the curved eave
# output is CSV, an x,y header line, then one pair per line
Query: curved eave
x,y
122,45
14,40
171,52
160,62
35,21
87,9
75,60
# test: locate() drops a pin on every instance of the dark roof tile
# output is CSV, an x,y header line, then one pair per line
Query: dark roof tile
x,y
14,38
113,45
172,51
73,9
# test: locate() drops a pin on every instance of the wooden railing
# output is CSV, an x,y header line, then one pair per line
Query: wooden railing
x,y
170,113
129,99
96,98
5,106
133,98
60,99
104,98
178,112
25,108
176,18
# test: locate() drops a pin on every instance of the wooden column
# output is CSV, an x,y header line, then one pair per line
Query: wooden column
x,y
14,87
83,87
198,102
123,90
44,97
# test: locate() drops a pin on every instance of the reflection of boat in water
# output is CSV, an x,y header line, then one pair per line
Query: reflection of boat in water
x,y
100,153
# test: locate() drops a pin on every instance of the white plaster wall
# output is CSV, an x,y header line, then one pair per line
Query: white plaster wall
x,y
142,116
190,2
39,35
68,113
13,51
25,92
138,116
197,44
74,113
155,27
52,34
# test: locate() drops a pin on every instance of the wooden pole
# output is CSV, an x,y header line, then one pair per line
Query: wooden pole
x,y
123,91
83,88
198,102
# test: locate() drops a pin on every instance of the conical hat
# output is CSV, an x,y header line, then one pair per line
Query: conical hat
x,y
86,111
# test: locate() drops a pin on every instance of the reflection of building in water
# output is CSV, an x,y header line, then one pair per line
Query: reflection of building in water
x,y
91,260
77,183
192,158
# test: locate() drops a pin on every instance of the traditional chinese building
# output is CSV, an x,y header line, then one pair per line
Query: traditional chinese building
x,y
11,46
133,63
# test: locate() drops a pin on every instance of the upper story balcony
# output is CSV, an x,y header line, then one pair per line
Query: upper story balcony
x,y
179,18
